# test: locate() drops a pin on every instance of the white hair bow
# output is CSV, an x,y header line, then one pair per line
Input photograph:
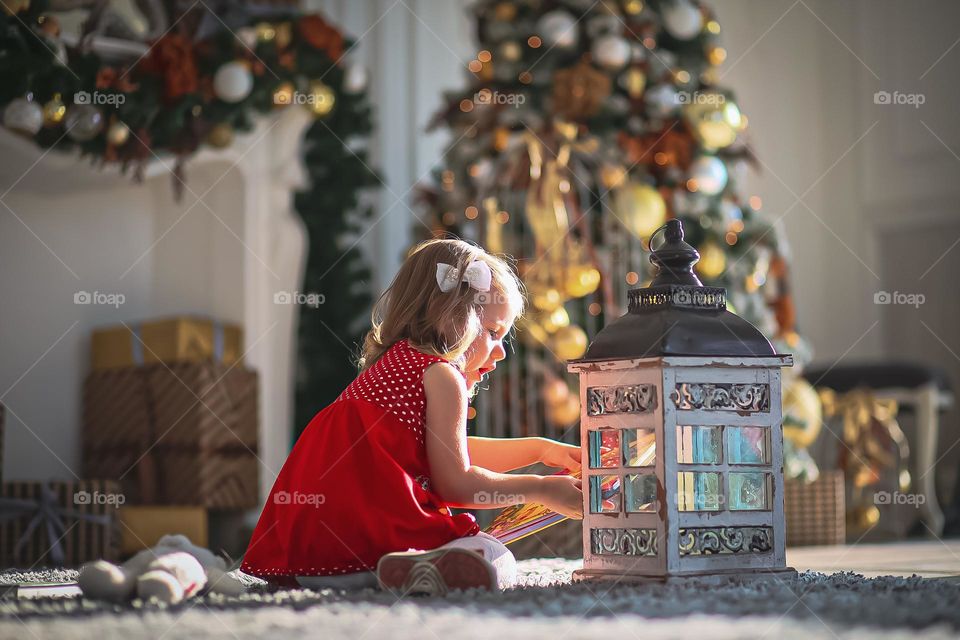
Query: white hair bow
x,y
477,275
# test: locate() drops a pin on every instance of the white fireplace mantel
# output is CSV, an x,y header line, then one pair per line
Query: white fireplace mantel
x,y
224,251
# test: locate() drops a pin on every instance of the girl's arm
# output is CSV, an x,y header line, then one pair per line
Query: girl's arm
x,y
459,482
507,454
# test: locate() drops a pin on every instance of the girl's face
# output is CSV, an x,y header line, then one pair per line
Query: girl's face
x,y
487,348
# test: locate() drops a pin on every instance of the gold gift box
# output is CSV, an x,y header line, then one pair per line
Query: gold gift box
x,y
180,339
143,526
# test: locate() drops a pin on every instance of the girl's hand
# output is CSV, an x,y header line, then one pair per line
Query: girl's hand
x,y
562,494
557,454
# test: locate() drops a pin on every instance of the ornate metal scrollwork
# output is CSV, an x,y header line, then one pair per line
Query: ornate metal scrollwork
x,y
628,398
623,542
721,397
725,540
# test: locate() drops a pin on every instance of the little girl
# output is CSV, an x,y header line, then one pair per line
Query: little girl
x,y
369,484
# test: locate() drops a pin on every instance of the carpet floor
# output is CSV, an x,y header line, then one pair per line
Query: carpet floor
x,y
544,605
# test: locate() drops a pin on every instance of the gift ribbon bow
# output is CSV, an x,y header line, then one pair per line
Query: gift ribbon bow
x,y
477,275
47,511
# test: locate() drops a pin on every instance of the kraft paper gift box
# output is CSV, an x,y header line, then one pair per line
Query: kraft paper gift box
x,y
143,526
59,523
180,339
182,433
815,511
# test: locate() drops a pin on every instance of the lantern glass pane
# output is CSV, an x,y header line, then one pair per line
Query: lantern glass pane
x,y
698,445
748,445
698,491
749,491
604,448
605,494
639,447
640,493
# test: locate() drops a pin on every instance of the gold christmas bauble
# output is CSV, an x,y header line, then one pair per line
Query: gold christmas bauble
x,y
545,298
265,31
505,11
283,94
118,133
532,332
566,412
714,118
640,208
220,136
511,51
555,391
570,342
320,99
713,260
612,175
634,81
555,320
802,412
53,111
582,280
284,35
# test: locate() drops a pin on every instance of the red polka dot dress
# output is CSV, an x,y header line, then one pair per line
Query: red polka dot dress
x,y
356,485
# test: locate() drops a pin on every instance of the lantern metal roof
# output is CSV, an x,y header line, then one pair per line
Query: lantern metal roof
x,y
677,315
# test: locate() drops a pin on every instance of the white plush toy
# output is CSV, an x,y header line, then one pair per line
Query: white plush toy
x,y
173,570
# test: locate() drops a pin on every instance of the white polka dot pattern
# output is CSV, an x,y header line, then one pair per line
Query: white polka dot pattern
x,y
395,383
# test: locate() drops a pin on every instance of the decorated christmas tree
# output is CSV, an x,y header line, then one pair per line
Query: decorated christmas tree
x,y
583,128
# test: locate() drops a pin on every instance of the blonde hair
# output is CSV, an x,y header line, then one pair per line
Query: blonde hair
x,y
444,324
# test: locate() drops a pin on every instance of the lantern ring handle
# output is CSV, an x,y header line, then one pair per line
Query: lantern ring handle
x,y
654,235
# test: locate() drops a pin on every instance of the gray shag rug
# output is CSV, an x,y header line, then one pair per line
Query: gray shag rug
x,y
544,605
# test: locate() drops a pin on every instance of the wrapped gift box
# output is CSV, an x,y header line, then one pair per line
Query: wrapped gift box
x,y
59,523
143,526
815,511
182,339
180,433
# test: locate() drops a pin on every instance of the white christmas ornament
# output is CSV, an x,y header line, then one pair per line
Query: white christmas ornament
x,y
661,100
710,174
355,79
558,28
83,122
233,82
23,116
682,20
611,52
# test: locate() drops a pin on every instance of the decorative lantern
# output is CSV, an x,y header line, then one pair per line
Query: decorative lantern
x,y
681,435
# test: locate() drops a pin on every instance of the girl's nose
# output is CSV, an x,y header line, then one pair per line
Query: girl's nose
x,y
499,353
